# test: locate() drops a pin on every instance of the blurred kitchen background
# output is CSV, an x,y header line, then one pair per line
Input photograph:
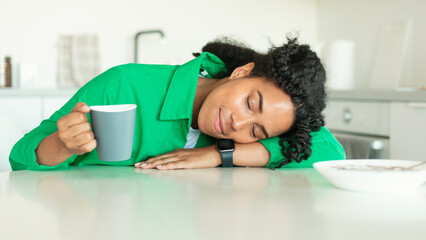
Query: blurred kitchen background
x,y
373,50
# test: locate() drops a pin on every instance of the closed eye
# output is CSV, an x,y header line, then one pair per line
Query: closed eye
x,y
252,130
248,103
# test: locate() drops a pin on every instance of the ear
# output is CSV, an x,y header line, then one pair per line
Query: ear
x,y
242,71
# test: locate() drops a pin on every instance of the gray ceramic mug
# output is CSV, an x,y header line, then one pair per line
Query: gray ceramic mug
x,y
114,130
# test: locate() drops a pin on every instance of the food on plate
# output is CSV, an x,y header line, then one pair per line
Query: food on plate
x,y
369,167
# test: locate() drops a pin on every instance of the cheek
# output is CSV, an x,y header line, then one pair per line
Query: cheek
x,y
201,119
205,117
242,137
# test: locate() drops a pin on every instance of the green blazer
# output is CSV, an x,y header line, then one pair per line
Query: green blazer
x,y
164,95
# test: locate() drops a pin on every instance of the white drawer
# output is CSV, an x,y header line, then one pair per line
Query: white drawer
x,y
408,131
52,104
359,117
24,111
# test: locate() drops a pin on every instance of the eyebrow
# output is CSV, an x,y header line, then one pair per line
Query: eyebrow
x,y
261,111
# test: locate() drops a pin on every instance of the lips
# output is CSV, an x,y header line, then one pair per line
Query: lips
x,y
217,123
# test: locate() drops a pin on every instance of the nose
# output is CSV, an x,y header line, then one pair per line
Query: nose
x,y
239,121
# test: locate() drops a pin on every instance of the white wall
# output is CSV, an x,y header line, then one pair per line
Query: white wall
x,y
360,21
29,29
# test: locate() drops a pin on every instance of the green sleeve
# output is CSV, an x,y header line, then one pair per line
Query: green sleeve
x,y
98,91
324,147
22,156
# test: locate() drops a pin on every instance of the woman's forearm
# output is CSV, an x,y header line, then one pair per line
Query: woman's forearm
x,y
51,152
251,154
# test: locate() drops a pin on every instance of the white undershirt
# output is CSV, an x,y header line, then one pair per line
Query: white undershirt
x,y
194,134
192,138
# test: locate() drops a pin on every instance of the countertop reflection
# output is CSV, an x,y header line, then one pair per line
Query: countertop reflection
x,y
239,203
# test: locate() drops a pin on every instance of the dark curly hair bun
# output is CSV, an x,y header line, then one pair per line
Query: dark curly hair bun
x,y
298,71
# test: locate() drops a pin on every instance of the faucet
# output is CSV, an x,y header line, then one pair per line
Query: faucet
x,y
145,32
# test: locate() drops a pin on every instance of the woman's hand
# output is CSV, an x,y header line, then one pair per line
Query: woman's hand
x,y
206,157
74,131
74,136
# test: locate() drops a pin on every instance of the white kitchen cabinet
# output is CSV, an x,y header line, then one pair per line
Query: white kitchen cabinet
x,y
408,130
25,112
27,108
364,117
395,120
52,104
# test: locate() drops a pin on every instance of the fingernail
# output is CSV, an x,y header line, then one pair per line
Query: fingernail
x,y
85,108
159,166
143,164
137,164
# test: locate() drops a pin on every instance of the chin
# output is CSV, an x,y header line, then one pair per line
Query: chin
x,y
206,131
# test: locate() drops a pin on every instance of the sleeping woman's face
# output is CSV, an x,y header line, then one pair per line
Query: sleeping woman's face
x,y
246,109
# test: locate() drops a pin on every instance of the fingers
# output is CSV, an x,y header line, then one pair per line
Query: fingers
x,y
79,144
76,116
88,147
168,164
80,139
161,158
174,165
74,130
156,161
74,122
81,107
71,133
183,158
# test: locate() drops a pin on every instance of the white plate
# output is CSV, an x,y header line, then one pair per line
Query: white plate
x,y
373,175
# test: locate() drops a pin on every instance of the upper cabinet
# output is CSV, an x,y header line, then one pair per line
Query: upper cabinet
x,y
388,41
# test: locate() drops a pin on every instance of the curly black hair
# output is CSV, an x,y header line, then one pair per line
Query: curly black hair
x,y
298,71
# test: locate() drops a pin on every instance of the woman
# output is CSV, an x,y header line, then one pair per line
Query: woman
x,y
270,105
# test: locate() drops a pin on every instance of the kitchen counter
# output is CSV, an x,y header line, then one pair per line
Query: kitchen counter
x,y
386,95
381,95
13,92
99,202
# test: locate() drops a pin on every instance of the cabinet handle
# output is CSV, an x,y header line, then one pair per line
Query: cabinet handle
x,y
417,104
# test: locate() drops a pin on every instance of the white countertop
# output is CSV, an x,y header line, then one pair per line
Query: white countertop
x,y
13,92
241,203
380,95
